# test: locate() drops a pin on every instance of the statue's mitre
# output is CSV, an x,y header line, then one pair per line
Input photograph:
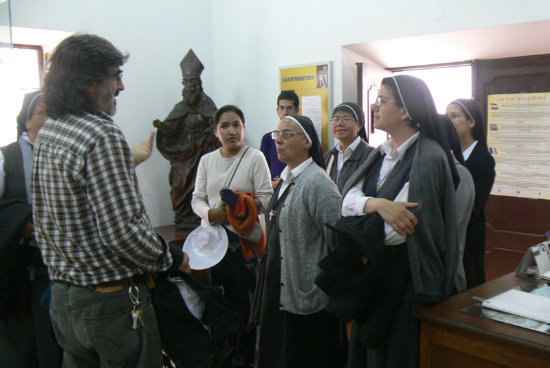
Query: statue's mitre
x,y
190,65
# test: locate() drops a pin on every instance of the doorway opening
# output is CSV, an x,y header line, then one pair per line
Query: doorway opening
x,y
445,83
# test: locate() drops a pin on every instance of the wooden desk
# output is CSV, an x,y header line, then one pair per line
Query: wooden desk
x,y
451,338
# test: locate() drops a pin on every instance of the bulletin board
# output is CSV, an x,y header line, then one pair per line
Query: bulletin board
x,y
313,85
519,141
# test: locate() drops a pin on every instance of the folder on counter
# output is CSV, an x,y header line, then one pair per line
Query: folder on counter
x,y
521,304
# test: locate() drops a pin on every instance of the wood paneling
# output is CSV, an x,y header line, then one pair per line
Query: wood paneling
x,y
513,224
452,338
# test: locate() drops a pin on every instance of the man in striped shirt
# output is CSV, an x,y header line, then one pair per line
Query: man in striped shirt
x,y
89,217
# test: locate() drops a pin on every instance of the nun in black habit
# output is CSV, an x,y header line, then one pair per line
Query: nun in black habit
x,y
348,127
468,121
294,329
399,206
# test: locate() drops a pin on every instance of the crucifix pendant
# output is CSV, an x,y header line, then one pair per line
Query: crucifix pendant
x,y
272,214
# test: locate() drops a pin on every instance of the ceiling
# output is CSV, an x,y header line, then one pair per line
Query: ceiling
x,y
485,43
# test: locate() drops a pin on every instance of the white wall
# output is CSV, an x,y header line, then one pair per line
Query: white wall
x,y
157,34
253,38
242,43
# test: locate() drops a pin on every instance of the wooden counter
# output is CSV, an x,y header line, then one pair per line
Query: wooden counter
x,y
451,338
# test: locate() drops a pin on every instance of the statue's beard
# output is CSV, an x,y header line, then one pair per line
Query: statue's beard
x,y
192,95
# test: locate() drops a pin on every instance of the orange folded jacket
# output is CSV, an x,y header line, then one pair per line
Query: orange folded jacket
x,y
242,213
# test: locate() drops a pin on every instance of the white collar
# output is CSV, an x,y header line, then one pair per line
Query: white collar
x,y
468,151
387,147
351,147
297,170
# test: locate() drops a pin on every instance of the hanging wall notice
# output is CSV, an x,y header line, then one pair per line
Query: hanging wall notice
x,y
519,140
312,83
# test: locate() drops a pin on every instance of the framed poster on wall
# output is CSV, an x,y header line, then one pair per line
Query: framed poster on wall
x,y
313,85
518,138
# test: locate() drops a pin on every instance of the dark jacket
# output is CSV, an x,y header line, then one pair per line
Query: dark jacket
x,y
482,167
433,247
15,252
185,339
364,278
14,213
359,155
15,190
13,274
14,182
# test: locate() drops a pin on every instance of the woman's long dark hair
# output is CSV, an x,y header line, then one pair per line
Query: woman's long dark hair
x,y
77,63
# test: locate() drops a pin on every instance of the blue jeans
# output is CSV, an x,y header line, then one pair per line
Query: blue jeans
x,y
95,328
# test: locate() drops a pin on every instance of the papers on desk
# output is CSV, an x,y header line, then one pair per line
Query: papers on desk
x,y
522,304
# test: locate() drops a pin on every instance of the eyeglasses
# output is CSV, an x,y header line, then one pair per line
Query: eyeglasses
x,y
345,119
286,134
379,101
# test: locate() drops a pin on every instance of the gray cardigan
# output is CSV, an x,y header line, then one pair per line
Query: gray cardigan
x,y
433,247
313,200
465,197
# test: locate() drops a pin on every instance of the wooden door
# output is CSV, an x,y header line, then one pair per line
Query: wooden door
x,y
513,224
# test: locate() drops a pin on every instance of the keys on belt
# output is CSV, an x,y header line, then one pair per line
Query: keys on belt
x,y
137,313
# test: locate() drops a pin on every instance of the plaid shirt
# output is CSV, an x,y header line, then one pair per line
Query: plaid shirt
x,y
89,217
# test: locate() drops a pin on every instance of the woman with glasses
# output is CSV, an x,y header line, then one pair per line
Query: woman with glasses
x,y
347,124
237,167
468,122
400,205
294,329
